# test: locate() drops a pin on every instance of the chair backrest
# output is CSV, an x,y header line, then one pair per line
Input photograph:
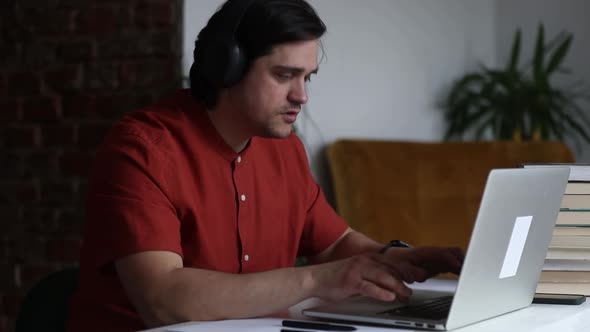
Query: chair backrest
x,y
423,193
46,305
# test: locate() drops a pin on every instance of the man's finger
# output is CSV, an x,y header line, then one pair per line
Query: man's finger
x,y
386,278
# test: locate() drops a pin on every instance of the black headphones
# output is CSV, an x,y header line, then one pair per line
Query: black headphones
x,y
222,62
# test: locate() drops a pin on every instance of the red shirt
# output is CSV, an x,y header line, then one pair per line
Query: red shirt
x,y
164,179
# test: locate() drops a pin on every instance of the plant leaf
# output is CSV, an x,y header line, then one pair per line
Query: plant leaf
x,y
538,58
559,55
515,53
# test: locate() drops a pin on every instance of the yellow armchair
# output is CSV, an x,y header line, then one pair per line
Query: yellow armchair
x,y
422,193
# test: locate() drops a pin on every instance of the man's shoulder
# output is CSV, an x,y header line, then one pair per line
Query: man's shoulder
x,y
161,121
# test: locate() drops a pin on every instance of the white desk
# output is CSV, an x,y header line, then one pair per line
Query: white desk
x,y
535,318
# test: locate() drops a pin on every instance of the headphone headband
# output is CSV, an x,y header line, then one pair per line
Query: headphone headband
x,y
235,17
222,61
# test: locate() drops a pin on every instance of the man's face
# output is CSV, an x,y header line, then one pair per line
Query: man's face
x,y
269,98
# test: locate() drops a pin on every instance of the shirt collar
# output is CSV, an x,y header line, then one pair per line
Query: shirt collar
x,y
199,114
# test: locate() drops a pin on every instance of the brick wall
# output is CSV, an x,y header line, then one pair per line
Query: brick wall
x,y
68,70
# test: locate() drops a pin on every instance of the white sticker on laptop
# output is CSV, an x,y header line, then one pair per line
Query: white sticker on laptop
x,y
518,238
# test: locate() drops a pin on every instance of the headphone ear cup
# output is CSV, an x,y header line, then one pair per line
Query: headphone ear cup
x,y
236,65
222,64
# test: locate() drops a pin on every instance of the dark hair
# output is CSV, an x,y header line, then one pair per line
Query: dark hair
x,y
263,25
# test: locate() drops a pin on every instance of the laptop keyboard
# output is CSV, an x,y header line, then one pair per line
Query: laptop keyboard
x,y
437,308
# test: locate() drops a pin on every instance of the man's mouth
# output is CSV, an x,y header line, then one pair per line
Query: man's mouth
x,y
290,116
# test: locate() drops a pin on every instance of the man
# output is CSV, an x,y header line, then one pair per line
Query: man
x,y
199,205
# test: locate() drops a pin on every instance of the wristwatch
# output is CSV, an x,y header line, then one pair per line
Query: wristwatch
x,y
394,244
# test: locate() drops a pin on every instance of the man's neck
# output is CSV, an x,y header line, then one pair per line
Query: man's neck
x,y
228,127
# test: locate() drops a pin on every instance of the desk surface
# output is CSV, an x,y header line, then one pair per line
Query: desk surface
x,y
535,318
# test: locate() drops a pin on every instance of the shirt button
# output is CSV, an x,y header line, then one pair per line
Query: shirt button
x,y
243,198
246,258
239,160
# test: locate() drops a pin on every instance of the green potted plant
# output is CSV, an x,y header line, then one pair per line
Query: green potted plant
x,y
519,103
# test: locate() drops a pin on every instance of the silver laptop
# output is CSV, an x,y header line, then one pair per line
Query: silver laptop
x,y
503,262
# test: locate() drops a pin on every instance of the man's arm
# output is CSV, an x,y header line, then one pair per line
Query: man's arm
x,y
165,292
349,244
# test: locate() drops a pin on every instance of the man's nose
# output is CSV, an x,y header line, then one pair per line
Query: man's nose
x,y
298,93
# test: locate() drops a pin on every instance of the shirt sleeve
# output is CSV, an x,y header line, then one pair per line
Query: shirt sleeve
x,y
127,208
323,226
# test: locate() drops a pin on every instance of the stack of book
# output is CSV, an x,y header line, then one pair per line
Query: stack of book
x,y
567,266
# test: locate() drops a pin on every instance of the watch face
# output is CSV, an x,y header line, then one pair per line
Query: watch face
x,y
400,243
396,244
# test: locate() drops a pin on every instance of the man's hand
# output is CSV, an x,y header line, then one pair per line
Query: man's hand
x,y
382,276
426,261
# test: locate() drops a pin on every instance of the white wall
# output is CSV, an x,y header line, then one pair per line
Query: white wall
x,y
388,65
195,15
569,15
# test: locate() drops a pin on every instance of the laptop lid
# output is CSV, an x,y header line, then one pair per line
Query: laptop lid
x,y
504,258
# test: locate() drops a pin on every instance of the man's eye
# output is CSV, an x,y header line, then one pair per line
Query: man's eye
x,y
308,79
283,77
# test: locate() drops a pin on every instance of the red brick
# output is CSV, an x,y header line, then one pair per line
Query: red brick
x,y
12,302
163,13
165,44
4,322
7,277
135,45
3,85
39,221
147,73
32,274
63,250
76,163
4,256
92,135
78,106
142,14
44,22
100,19
37,4
55,192
10,215
15,191
101,76
39,54
141,101
10,109
7,5
22,137
73,4
58,136
13,29
41,109
108,105
155,13
10,50
24,84
65,79
11,164
12,212
114,106
153,73
32,249
69,221
77,51
128,74
43,46
42,163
